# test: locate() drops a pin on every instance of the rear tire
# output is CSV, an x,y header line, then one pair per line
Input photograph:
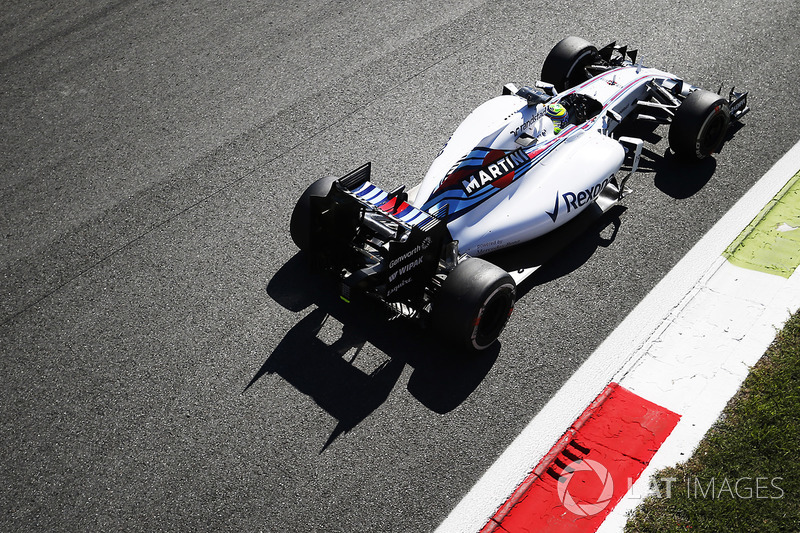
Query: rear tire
x,y
700,125
300,224
473,305
564,65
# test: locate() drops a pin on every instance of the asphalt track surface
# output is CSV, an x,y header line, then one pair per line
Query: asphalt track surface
x,y
167,360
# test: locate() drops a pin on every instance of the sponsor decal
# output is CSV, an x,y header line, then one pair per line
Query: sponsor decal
x,y
576,200
499,171
486,247
406,268
527,124
398,286
490,244
738,105
554,214
414,251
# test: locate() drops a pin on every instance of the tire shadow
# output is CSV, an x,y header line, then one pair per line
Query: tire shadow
x,y
676,177
682,179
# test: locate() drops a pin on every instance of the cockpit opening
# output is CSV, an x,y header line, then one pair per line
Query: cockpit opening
x,y
580,107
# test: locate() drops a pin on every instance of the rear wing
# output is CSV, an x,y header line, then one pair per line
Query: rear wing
x,y
375,241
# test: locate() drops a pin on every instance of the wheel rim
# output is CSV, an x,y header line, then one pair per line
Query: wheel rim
x,y
712,134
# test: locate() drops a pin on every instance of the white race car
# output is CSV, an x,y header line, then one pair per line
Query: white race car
x,y
520,166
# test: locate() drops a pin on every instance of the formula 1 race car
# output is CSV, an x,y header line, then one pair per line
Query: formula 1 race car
x,y
520,166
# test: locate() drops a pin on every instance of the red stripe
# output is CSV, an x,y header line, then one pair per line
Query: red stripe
x,y
389,204
589,470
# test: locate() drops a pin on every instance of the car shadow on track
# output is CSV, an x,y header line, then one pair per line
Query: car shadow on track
x,y
349,357
679,178
600,235
676,177
562,251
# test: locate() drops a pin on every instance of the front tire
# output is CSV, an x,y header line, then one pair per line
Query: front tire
x,y
700,125
473,304
565,65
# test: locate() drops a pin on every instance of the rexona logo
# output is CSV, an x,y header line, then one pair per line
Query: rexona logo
x,y
577,200
496,171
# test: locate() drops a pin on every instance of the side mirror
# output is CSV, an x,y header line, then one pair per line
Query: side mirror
x,y
549,88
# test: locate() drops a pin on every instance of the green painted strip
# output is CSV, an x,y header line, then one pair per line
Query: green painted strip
x,y
771,242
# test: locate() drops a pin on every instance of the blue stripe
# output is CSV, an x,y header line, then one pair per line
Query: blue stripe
x,y
365,189
406,210
382,201
374,195
377,197
424,221
415,219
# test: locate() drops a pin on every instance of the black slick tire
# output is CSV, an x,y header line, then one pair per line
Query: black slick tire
x,y
564,65
700,125
473,304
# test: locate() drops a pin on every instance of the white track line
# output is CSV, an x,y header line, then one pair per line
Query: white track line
x,y
615,356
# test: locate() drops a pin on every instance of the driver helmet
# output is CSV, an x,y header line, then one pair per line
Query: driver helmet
x,y
558,114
